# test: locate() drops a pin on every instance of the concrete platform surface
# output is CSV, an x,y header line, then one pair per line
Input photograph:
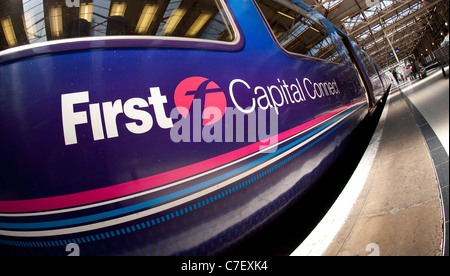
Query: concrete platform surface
x,y
391,208
399,209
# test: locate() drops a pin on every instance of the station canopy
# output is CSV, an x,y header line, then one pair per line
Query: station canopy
x,y
415,28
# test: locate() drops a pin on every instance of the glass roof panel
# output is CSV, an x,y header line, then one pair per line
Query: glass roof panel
x,y
332,3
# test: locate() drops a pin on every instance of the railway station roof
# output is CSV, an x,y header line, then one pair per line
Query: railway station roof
x,y
415,28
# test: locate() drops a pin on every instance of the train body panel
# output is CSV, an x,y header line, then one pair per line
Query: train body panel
x,y
167,149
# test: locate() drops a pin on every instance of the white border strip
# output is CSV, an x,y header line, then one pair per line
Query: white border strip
x,y
323,235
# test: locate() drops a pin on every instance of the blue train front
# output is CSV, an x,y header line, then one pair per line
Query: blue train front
x,y
167,127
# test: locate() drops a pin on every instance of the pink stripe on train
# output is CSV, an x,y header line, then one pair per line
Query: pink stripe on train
x,y
135,186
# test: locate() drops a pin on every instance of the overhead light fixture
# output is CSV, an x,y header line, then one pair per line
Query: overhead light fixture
x,y
56,24
314,29
86,11
174,20
198,24
118,9
146,18
286,15
8,30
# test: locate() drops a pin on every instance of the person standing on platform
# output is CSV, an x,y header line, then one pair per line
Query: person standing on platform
x,y
411,72
414,68
417,66
394,73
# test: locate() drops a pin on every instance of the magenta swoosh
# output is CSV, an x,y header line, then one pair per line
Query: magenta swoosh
x,y
135,186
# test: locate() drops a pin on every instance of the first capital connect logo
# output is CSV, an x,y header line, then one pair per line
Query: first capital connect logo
x,y
139,115
209,92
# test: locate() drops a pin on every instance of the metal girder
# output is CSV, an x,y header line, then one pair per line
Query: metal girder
x,y
383,15
391,29
378,25
386,15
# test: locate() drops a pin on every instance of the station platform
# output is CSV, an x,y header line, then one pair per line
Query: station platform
x,y
396,203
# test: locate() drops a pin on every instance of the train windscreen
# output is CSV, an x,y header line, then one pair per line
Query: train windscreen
x,y
297,32
35,21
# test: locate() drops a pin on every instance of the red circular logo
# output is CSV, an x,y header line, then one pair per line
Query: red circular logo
x,y
212,97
